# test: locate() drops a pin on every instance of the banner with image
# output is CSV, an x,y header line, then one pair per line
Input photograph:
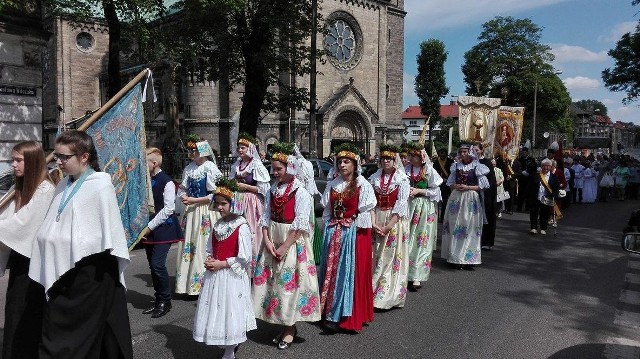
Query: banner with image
x,y
477,118
509,131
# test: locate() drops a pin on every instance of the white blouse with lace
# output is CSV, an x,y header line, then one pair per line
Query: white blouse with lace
x,y
366,201
303,206
481,172
222,229
196,172
433,181
399,179
257,169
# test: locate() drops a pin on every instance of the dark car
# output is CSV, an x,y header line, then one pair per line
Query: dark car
x,y
368,169
321,170
6,181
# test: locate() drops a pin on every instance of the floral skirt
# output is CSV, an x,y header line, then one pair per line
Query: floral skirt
x,y
286,291
462,228
196,224
423,233
390,263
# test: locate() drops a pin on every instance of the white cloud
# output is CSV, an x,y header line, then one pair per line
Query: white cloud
x,y
618,30
423,15
607,101
569,53
581,83
408,88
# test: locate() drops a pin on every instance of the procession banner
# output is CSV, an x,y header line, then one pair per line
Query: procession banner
x,y
509,132
477,118
120,139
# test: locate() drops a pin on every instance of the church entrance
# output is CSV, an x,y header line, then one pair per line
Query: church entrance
x,y
349,126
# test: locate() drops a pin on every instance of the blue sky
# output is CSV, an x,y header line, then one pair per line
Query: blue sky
x,y
580,32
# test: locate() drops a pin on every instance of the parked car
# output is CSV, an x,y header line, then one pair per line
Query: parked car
x,y
368,169
321,170
6,181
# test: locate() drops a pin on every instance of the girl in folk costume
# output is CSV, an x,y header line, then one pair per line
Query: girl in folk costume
x,y
345,275
285,283
20,221
225,314
390,251
253,183
198,182
424,196
462,226
79,257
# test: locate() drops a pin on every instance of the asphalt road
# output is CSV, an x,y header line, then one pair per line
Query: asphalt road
x,y
533,297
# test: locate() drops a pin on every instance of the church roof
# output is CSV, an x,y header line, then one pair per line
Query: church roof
x,y
341,94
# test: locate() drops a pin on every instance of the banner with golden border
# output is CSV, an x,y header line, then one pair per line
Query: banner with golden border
x,y
477,118
509,132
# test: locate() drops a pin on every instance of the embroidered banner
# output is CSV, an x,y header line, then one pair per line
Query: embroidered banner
x,y
120,139
509,131
477,120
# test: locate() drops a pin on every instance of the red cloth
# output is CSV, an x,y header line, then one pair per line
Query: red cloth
x,y
221,250
350,203
363,291
286,213
387,201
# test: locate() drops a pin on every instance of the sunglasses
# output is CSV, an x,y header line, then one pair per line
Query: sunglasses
x,y
62,157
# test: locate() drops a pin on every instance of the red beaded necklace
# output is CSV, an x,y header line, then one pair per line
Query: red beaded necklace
x,y
281,200
384,187
416,178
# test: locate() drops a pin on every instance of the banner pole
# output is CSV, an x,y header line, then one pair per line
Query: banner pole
x,y
90,121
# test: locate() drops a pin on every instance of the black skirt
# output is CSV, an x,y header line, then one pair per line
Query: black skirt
x,y
22,312
86,315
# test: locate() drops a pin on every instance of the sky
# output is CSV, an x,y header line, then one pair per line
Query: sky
x,y
579,32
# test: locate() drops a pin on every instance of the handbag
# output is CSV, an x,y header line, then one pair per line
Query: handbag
x,y
503,196
607,181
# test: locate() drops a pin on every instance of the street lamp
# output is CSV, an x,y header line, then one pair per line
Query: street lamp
x,y
535,108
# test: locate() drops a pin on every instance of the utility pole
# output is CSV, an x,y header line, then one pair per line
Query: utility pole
x,y
313,130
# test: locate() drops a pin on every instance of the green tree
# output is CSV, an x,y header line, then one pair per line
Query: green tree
x,y
509,56
625,75
430,85
592,105
250,43
127,19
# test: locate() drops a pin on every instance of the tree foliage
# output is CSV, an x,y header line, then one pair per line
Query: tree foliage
x,y
128,20
592,105
250,43
625,75
510,62
430,85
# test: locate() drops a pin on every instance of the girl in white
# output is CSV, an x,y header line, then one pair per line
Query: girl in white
x,y
198,182
225,314
20,221
79,257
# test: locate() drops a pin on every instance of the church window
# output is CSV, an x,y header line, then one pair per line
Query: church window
x,y
84,41
343,40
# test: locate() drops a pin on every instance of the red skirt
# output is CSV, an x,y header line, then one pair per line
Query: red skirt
x,y
363,278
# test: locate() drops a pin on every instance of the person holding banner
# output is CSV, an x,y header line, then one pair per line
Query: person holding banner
x,y
345,273
542,192
253,183
79,257
464,217
285,284
391,226
160,233
20,221
424,195
198,182
225,313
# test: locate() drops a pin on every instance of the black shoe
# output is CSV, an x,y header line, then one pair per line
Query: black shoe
x,y
469,267
150,309
162,309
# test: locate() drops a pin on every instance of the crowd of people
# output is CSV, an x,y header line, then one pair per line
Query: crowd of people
x,y
249,244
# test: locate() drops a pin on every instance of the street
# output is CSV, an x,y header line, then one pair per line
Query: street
x,y
576,295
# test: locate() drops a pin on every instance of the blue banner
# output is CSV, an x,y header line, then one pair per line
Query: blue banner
x,y
121,143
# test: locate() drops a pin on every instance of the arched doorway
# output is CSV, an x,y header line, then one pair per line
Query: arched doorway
x,y
350,126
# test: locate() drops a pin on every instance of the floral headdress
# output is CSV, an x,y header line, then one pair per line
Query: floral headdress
x,y
191,141
350,151
284,152
414,148
228,189
465,144
246,139
387,150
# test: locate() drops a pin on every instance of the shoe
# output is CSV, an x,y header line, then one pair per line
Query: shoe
x,y
533,231
416,284
150,309
161,310
283,345
542,231
278,339
469,267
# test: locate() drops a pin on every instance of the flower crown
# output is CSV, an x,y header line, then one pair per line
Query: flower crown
x,y
414,148
226,188
246,139
191,140
387,150
282,151
465,144
347,150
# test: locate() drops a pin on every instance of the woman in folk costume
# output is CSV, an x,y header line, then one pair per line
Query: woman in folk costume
x,y
20,221
462,226
253,183
306,176
225,314
345,273
391,228
79,257
285,283
424,196
198,182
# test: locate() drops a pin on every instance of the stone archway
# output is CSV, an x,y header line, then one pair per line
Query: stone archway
x,y
350,126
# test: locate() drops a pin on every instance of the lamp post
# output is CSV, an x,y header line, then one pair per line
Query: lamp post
x,y
535,108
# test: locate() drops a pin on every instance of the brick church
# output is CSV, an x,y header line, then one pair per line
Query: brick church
x,y
62,75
